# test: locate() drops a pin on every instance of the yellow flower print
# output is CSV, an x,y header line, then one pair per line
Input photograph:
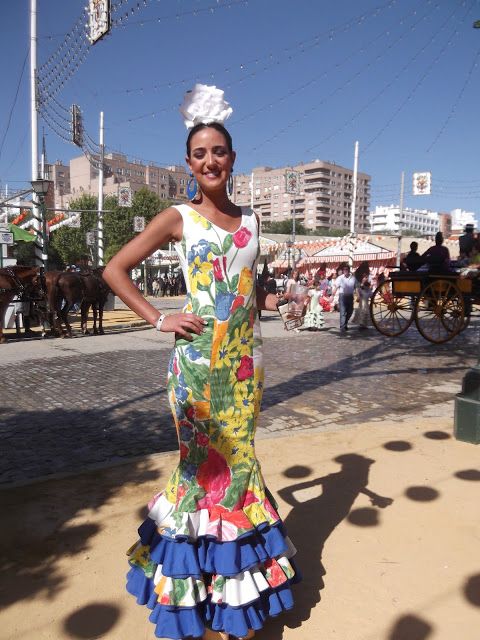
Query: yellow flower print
x,y
227,353
200,273
199,219
245,283
243,340
228,421
244,398
141,556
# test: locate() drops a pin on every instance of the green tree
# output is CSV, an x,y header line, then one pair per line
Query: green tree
x,y
69,243
118,225
335,233
285,226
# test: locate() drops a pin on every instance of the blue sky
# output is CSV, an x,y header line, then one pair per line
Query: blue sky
x,y
305,79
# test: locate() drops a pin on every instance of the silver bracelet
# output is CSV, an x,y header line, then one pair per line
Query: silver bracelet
x,y
160,320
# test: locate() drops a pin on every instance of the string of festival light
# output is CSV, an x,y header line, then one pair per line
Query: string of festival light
x,y
291,93
286,128
338,65
456,102
297,48
417,85
396,77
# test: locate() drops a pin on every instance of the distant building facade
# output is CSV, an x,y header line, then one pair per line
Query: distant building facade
x,y
460,218
389,218
325,200
81,177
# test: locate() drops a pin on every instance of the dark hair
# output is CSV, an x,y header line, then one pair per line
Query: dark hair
x,y
414,245
214,125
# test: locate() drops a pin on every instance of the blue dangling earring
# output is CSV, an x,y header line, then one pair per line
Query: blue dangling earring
x,y
192,187
230,184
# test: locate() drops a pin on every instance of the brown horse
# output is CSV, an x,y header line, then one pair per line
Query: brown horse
x,y
96,294
64,290
26,283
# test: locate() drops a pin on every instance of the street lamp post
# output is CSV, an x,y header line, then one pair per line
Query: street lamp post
x,y
40,188
289,244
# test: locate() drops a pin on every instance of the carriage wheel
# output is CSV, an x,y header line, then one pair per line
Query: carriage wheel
x,y
440,311
391,315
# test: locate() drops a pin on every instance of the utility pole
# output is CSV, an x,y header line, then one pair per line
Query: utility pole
x,y
400,213
37,211
294,261
100,196
354,195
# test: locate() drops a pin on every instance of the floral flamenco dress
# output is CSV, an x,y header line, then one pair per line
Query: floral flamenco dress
x,y
213,551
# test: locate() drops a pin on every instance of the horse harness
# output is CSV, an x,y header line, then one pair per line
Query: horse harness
x,y
22,289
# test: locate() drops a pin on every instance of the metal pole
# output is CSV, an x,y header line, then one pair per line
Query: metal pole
x,y
354,195
400,213
145,278
293,233
251,199
100,196
36,208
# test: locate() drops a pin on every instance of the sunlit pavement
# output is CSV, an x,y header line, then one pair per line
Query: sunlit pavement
x,y
356,443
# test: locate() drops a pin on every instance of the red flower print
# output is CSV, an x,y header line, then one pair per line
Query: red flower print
x,y
214,476
181,491
275,575
245,370
217,269
250,498
190,413
202,439
183,451
238,302
239,519
176,370
241,237
268,506
165,599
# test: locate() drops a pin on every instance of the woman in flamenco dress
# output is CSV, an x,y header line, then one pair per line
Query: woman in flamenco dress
x,y
213,559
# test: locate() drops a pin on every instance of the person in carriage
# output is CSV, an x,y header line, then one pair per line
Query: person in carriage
x,y
437,257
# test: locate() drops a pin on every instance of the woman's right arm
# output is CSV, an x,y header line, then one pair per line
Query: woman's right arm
x,y
165,227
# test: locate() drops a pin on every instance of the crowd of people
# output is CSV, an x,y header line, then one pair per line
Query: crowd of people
x,y
331,290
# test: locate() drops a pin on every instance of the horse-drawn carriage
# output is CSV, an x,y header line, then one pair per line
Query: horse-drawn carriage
x,y
439,304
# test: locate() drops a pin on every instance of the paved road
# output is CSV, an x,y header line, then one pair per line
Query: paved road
x,y
70,405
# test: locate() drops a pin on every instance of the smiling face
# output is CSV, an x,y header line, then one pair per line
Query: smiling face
x,y
210,159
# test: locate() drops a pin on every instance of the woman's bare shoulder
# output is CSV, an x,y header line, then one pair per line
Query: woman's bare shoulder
x,y
171,220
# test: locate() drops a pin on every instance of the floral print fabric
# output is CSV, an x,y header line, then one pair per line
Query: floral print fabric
x,y
215,384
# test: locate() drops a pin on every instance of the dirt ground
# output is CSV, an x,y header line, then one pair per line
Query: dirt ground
x,y
385,517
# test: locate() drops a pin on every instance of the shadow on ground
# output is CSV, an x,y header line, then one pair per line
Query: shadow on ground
x,y
311,522
40,528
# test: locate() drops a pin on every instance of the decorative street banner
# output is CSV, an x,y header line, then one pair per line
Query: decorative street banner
x,y
124,197
74,221
422,183
6,237
292,182
90,238
138,223
98,19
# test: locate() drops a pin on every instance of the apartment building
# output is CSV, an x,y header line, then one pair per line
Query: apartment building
x,y
59,174
389,218
325,200
82,178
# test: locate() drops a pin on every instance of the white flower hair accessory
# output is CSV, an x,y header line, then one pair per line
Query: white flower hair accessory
x,y
204,104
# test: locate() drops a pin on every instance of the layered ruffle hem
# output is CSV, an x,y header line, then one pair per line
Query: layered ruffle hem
x,y
193,573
